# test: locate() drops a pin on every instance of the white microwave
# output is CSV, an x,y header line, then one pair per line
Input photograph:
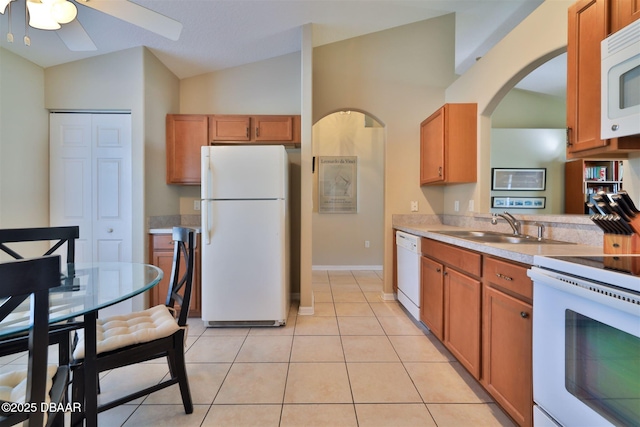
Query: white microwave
x,y
620,100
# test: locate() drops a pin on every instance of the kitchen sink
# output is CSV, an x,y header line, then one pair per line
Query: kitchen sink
x,y
497,237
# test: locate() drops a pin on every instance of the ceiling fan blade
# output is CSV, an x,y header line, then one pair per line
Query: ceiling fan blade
x,y
75,37
137,15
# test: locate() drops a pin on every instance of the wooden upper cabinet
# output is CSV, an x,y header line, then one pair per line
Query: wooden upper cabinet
x,y
587,27
254,129
448,145
186,133
623,13
273,128
590,22
230,128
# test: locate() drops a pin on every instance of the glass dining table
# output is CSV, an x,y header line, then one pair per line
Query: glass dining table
x,y
85,289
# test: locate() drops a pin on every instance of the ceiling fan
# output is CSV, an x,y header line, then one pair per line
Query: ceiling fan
x,y
76,38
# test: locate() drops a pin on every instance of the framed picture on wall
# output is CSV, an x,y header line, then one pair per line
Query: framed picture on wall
x,y
518,202
518,179
338,184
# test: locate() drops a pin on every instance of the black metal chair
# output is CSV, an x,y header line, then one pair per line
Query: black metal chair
x,y
59,236
148,334
18,281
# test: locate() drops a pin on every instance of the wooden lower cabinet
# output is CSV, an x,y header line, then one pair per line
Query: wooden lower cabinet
x,y
161,255
481,308
451,299
462,296
507,328
432,296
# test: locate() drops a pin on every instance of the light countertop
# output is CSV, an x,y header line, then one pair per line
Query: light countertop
x,y
523,253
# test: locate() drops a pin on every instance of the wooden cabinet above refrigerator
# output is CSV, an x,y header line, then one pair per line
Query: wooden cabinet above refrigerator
x,y
186,133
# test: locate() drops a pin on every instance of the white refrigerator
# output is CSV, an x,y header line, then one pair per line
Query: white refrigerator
x,y
245,235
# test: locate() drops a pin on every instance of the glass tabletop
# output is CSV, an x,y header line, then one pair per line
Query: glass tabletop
x,y
86,287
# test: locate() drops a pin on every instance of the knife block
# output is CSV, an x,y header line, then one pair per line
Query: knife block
x,y
621,244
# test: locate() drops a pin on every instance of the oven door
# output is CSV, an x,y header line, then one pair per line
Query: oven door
x,y
586,351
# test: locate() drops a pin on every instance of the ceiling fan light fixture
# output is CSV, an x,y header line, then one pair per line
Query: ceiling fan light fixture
x,y
4,4
64,11
40,16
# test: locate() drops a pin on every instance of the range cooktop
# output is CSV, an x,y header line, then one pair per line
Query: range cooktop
x,y
617,270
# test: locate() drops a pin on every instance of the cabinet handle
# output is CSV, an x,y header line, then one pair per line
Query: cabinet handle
x,y
109,230
438,270
247,131
502,276
445,274
257,131
440,171
569,143
524,314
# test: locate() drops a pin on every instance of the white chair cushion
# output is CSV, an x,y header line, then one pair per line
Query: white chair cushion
x,y
134,328
13,386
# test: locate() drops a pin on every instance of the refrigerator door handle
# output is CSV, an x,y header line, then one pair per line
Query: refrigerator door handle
x,y
205,179
205,225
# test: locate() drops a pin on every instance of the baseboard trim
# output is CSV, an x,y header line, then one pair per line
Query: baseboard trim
x,y
307,311
347,267
388,297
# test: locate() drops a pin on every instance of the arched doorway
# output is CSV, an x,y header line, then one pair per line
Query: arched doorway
x,y
348,211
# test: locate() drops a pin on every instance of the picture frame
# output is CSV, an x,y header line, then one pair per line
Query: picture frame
x,y
338,184
519,179
501,202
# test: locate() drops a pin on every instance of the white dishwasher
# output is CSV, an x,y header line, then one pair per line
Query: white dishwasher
x,y
408,259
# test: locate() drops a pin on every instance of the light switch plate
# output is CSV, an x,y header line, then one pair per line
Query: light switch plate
x,y
414,206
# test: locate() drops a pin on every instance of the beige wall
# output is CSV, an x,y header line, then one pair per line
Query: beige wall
x,y
397,76
161,97
338,239
524,109
271,86
24,146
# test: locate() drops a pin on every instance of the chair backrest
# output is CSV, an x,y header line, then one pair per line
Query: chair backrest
x,y
181,280
18,281
60,235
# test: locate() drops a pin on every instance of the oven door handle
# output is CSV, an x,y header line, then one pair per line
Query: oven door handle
x,y
629,302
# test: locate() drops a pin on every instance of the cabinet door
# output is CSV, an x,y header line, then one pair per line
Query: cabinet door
x,y
273,128
230,128
623,13
432,148
432,296
186,133
586,29
462,296
507,354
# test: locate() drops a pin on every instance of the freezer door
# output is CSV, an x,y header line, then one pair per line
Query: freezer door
x,y
245,264
244,172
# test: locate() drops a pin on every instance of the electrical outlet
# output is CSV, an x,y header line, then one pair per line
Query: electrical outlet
x,y
366,244
471,205
196,205
456,206
414,206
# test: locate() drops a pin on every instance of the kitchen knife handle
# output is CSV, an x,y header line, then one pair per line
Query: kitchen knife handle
x,y
625,207
628,200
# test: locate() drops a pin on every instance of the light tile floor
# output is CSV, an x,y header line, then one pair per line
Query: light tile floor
x,y
359,361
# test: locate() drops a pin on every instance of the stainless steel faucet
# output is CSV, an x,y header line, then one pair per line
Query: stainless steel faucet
x,y
513,222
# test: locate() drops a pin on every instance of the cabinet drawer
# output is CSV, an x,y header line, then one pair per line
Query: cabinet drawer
x,y
508,276
162,242
462,259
